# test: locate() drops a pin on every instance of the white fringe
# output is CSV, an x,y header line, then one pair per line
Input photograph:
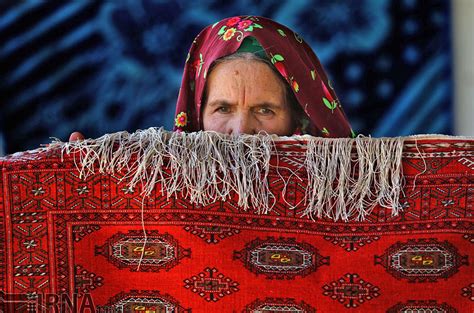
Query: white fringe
x,y
347,178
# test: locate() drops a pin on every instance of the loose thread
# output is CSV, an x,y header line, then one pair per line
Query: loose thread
x,y
145,236
424,163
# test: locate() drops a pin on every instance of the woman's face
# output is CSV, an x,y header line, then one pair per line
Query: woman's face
x,y
246,97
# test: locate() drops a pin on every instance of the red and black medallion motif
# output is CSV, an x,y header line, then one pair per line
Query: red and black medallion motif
x,y
211,285
211,234
351,243
448,201
122,195
280,258
422,260
421,306
428,166
153,253
34,191
32,246
278,305
351,290
85,281
135,301
81,193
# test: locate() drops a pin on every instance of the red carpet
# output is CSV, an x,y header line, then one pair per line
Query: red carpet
x,y
63,238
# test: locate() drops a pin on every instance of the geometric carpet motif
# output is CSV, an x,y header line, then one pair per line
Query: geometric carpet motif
x,y
351,243
280,258
278,305
351,291
142,302
422,260
431,306
211,234
85,282
133,251
211,284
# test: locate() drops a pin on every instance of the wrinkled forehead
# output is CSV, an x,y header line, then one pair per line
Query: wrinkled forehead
x,y
251,79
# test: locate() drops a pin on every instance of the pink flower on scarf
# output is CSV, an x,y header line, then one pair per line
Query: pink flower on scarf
x,y
244,24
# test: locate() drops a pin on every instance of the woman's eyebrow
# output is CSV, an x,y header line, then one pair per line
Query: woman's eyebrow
x,y
219,103
270,105
265,104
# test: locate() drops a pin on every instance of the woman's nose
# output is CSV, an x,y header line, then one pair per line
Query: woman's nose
x,y
241,124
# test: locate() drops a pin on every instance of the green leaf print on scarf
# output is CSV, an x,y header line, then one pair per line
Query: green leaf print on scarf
x,y
222,30
282,33
330,105
277,58
328,100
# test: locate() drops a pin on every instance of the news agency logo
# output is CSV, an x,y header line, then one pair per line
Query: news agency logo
x,y
50,303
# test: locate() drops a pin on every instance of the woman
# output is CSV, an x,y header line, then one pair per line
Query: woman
x,y
249,74
294,64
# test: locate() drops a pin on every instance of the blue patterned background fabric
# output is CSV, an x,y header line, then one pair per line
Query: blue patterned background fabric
x,y
105,66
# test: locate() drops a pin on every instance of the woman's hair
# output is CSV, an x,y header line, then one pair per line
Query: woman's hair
x,y
299,116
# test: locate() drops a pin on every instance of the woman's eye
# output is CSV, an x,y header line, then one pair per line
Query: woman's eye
x,y
265,111
223,110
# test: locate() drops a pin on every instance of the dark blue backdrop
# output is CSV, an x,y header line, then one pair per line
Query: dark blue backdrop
x,y
111,65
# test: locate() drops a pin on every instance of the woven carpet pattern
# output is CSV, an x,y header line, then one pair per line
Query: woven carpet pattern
x,y
64,235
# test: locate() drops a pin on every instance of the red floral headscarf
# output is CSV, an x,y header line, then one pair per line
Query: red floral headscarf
x,y
286,50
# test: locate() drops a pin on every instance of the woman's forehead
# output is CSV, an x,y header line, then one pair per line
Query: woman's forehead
x,y
256,77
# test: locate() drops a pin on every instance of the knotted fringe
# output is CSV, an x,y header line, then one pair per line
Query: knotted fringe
x,y
347,178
